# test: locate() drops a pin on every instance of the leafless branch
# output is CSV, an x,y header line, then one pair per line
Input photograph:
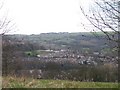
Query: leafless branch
x,y
6,24
106,17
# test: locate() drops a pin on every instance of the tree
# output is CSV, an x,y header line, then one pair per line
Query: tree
x,y
6,24
104,15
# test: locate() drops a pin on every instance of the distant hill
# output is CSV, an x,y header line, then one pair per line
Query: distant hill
x,y
66,40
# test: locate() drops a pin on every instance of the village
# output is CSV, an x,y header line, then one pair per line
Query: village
x,y
73,57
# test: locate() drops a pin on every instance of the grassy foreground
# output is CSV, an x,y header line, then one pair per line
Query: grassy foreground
x,y
10,82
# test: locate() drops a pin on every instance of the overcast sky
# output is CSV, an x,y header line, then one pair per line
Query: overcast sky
x,y
41,16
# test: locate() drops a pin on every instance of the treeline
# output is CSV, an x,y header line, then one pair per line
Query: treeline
x,y
85,73
52,70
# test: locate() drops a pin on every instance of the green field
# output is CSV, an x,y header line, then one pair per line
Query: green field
x,y
10,82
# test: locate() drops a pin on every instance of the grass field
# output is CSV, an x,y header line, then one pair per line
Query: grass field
x,y
10,82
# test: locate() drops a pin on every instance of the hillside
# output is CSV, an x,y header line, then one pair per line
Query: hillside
x,y
66,40
68,56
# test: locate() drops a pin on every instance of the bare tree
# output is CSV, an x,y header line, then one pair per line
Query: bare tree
x,y
6,25
104,15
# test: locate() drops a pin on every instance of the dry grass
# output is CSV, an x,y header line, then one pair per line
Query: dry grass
x,y
14,82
